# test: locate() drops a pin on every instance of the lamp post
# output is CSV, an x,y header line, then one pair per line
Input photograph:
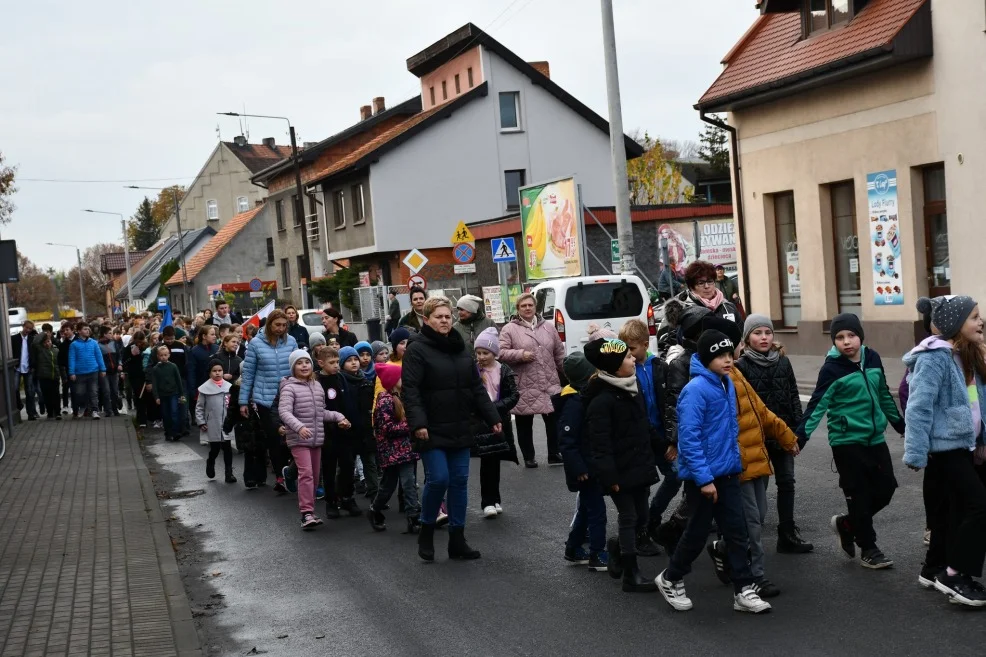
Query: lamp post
x,y
181,242
126,253
82,289
306,272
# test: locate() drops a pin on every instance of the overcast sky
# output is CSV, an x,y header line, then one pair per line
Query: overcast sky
x,y
127,91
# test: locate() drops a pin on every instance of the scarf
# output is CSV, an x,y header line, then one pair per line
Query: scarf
x,y
627,383
370,371
491,380
528,324
768,359
714,302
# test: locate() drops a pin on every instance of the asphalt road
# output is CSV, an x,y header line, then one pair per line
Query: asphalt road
x,y
253,576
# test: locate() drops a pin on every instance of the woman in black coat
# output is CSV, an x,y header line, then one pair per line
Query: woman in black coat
x,y
295,329
442,391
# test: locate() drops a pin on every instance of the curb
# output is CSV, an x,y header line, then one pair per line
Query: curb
x,y
180,611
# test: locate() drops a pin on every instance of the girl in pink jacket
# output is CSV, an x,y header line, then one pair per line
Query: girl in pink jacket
x,y
301,408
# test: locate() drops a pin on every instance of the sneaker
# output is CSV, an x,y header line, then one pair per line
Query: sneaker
x,y
555,459
332,512
927,537
874,559
157,424
377,520
320,493
95,415
318,521
279,486
489,512
530,463
598,562
442,519
717,551
139,426
230,478
766,589
789,541
249,485
961,589
748,600
308,522
577,555
290,482
673,592
840,525
499,509
927,576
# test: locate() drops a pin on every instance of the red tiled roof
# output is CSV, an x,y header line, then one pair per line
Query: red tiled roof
x,y
115,262
214,246
774,49
257,157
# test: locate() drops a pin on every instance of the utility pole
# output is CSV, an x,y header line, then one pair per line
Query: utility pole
x,y
624,226
299,208
181,254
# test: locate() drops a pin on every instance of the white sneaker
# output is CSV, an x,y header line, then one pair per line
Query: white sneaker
x,y
95,415
748,600
499,509
673,592
489,512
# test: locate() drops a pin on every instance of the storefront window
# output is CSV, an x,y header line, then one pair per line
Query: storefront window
x,y
936,232
846,247
789,265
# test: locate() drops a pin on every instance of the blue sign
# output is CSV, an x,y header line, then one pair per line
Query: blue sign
x,y
162,303
504,249
256,284
464,253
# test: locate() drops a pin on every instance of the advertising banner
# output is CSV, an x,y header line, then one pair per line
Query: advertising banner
x,y
493,302
679,240
549,218
717,242
881,195
793,273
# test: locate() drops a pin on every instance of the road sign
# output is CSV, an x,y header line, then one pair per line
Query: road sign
x,y
256,285
614,252
464,253
417,281
256,295
462,234
504,249
162,303
415,261
465,269
132,309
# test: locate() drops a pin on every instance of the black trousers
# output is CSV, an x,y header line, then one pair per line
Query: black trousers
x,y
338,462
632,513
955,502
525,434
783,463
227,450
49,393
866,477
279,453
489,481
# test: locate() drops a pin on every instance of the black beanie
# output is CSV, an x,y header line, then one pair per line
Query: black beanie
x,y
606,354
713,344
727,327
690,321
846,322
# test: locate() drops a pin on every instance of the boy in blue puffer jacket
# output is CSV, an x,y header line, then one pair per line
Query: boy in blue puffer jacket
x,y
709,464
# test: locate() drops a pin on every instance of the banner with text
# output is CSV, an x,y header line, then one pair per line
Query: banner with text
x,y
881,195
549,216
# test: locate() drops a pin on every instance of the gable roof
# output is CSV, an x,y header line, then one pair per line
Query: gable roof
x,y
257,157
115,262
774,55
148,276
213,247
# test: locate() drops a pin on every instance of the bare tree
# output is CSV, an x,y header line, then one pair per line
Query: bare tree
x,y
7,190
680,149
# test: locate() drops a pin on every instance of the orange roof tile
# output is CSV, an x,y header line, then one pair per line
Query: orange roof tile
x,y
774,50
257,157
214,246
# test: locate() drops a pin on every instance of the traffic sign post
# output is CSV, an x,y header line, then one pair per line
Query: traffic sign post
x,y
415,261
417,281
462,235
504,249
464,253
256,285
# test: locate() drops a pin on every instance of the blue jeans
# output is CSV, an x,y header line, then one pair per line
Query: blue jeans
x,y
28,379
590,515
169,413
446,471
666,492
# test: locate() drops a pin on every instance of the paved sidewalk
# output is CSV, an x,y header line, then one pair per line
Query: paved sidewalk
x,y
86,564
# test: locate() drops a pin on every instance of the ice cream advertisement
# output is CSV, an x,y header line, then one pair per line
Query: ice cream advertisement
x,y
549,219
881,194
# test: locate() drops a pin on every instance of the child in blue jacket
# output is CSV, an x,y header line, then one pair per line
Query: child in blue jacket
x,y
709,464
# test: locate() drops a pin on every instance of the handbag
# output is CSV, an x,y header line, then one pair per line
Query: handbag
x,y
488,444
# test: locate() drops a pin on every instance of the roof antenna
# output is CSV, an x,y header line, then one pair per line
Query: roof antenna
x,y
247,122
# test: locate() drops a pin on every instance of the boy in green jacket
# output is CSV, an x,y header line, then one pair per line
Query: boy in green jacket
x,y
852,389
168,387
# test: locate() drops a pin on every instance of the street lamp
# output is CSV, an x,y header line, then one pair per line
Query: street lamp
x,y
181,242
299,203
126,253
82,289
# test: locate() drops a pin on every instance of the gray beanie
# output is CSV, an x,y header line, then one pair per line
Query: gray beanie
x,y
753,322
926,307
315,339
376,347
949,316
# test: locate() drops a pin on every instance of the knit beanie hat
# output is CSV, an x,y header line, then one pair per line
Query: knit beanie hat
x,y
388,374
315,339
489,340
595,332
470,303
727,327
345,354
297,355
577,370
926,306
378,346
713,344
606,354
363,345
690,321
398,335
215,361
753,322
951,314
846,322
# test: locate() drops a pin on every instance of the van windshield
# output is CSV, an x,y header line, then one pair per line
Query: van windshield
x,y
604,300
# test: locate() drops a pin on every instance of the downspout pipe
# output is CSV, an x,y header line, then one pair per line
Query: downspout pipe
x,y
740,218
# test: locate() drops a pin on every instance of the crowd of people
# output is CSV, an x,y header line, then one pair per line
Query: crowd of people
x,y
707,420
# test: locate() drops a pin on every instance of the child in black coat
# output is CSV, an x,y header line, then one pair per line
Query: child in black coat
x,y
499,382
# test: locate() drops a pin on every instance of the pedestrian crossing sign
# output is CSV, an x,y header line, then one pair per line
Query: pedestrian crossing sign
x,y
504,249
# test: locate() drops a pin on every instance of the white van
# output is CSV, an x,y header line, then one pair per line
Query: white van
x,y
608,301
16,317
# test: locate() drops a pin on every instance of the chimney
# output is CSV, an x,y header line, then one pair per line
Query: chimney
x,y
269,142
308,144
379,105
543,68
365,112
240,140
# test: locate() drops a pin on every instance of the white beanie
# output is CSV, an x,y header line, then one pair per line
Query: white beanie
x,y
295,356
470,303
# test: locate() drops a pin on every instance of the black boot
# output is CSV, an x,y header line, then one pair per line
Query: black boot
x,y
230,478
457,546
377,520
633,581
332,511
426,542
645,546
789,541
210,468
615,565
413,524
668,535
349,504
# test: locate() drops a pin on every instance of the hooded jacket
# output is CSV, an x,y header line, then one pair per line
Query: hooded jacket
x,y
708,427
537,380
473,326
570,411
264,367
212,407
301,405
392,435
757,424
677,376
232,364
856,398
938,417
46,363
506,399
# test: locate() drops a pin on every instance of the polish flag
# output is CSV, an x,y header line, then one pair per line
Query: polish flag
x,y
255,319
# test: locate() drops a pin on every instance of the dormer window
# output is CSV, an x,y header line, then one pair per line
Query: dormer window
x,y
822,15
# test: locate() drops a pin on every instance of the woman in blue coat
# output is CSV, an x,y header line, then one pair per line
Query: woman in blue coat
x,y
265,365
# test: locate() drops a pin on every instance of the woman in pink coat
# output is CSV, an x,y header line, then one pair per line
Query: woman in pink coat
x,y
531,347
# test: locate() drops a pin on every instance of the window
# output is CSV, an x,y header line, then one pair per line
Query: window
x,y
301,267
513,180
843,200
242,204
431,92
444,90
510,110
285,274
279,213
604,301
339,209
297,211
824,14
787,253
469,76
936,231
212,210
359,208
458,89
270,250
312,208
544,300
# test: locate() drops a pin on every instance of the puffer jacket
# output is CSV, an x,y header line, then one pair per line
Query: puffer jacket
x,y
938,416
301,405
392,435
84,357
570,411
757,425
708,427
264,367
678,374
537,380
232,364
621,443
46,363
211,409
442,391
473,327
505,401
776,385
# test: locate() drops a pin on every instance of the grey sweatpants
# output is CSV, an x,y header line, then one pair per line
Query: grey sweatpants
x,y
755,511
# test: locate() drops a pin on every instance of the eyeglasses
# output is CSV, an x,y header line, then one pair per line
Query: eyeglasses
x,y
704,283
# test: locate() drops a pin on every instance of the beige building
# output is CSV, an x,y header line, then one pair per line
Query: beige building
x,y
861,147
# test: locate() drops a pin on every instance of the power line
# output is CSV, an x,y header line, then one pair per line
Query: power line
x,y
125,180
